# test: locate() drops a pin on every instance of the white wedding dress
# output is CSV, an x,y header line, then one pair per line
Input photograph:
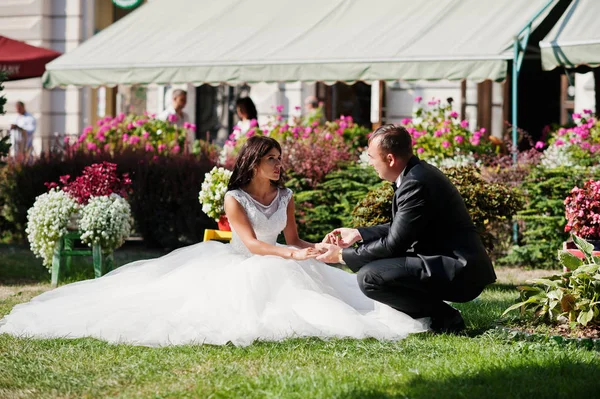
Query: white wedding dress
x,y
214,293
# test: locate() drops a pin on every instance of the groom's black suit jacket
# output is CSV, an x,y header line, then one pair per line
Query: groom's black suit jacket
x,y
431,229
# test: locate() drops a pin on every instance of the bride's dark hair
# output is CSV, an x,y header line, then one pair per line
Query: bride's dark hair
x,y
249,157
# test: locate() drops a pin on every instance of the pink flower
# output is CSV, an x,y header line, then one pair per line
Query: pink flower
x,y
253,123
285,127
280,108
315,124
125,137
445,144
297,108
559,142
149,147
459,139
418,99
172,118
308,130
92,146
438,133
328,136
343,125
587,111
464,124
539,145
101,138
106,147
81,138
405,121
576,116
134,139
161,147
88,130
340,132
175,149
145,134
453,114
474,140
66,140
251,133
420,150
279,118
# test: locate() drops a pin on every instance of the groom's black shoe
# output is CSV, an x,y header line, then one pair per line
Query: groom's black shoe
x,y
447,321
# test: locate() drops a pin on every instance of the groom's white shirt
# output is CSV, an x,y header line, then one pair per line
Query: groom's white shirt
x,y
399,178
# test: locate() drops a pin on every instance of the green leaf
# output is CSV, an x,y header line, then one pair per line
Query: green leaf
x,y
569,260
515,306
583,246
585,317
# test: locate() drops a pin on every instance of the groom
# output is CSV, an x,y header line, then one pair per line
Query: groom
x,y
429,253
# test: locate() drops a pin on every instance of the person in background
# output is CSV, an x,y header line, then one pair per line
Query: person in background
x,y
313,111
176,115
246,111
22,131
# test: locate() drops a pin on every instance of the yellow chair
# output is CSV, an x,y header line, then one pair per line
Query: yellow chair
x,y
210,234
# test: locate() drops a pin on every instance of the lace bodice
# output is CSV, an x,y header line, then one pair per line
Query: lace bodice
x,y
267,220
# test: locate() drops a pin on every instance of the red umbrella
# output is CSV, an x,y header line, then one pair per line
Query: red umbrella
x,y
22,61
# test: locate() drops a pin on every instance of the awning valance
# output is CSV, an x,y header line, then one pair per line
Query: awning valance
x,y
235,41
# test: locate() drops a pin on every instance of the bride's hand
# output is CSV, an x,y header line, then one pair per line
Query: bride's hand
x,y
306,253
343,237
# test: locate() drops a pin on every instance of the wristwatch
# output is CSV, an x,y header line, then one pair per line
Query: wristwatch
x,y
340,257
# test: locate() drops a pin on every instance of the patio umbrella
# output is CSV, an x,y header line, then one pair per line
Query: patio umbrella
x,y
21,60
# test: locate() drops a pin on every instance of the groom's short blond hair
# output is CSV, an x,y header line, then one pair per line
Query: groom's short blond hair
x,y
393,140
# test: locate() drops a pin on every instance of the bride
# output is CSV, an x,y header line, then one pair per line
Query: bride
x,y
214,293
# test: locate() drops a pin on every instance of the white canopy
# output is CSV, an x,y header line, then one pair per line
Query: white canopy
x,y
234,41
575,39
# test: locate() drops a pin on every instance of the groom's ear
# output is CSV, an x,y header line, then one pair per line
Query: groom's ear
x,y
391,159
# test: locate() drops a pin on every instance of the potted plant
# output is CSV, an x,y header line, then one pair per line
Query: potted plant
x,y
582,210
212,196
93,203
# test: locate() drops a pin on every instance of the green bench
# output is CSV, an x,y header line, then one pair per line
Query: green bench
x,y
64,250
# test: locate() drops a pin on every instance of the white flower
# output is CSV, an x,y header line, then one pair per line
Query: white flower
x,y
106,220
212,193
47,221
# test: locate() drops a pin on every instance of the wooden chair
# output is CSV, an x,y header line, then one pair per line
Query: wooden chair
x,y
64,250
210,234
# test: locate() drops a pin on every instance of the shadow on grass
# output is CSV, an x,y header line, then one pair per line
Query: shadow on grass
x,y
18,265
563,378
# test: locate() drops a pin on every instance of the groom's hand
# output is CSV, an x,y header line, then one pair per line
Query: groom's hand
x,y
343,237
332,254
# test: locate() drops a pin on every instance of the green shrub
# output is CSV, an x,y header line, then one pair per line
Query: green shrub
x,y
329,205
542,221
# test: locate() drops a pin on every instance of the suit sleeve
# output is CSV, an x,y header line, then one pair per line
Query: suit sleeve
x,y
403,231
373,233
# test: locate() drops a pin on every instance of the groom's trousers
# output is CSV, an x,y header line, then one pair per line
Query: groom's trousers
x,y
413,286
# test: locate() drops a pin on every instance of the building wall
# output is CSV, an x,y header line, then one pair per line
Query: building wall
x,y
585,92
60,25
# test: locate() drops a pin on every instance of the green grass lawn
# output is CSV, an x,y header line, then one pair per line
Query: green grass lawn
x,y
485,363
